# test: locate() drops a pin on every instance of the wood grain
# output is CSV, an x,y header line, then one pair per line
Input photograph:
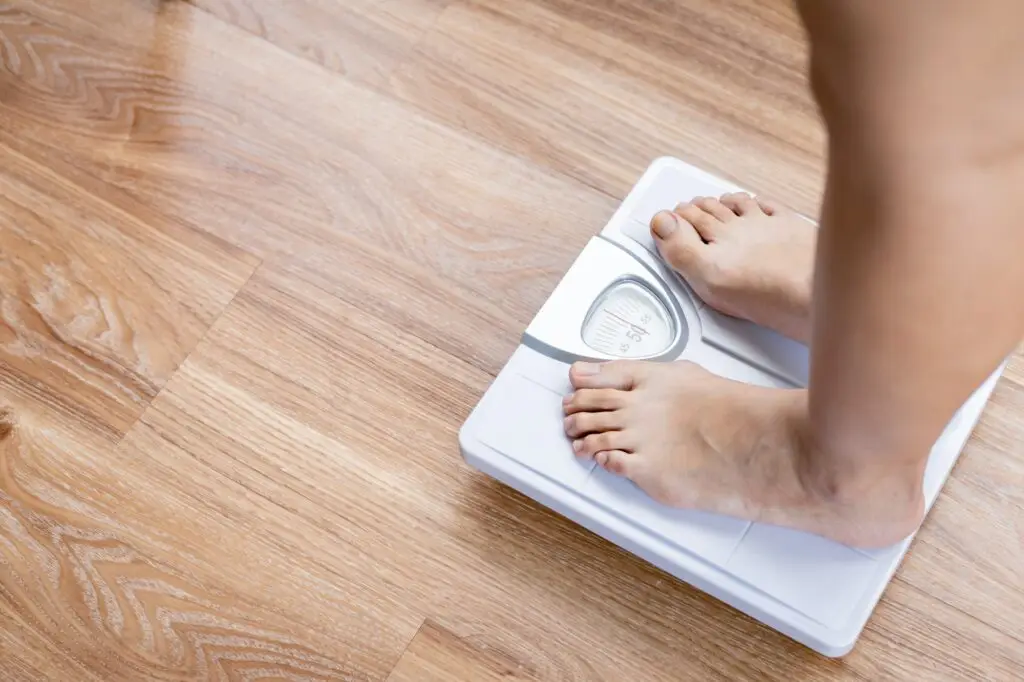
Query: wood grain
x,y
364,40
258,261
81,579
96,306
437,655
597,90
298,169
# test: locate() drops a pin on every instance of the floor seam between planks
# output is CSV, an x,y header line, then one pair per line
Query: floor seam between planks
x,y
401,654
198,344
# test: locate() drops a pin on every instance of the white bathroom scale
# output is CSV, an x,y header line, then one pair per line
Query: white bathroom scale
x,y
619,300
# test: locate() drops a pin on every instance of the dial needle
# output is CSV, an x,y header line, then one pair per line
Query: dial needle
x,y
626,322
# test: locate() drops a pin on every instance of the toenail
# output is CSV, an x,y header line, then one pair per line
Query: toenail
x,y
577,445
587,368
664,224
568,399
568,423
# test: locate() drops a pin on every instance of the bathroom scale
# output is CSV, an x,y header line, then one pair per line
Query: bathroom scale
x,y
620,300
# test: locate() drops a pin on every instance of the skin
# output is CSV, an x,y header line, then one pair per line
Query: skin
x,y
916,294
908,294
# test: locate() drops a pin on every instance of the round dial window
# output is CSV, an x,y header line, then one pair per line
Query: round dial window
x,y
629,321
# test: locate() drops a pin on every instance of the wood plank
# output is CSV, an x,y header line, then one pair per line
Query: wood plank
x,y
914,635
100,579
27,657
596,90
98,307
364,40
437,655
303,168
318,157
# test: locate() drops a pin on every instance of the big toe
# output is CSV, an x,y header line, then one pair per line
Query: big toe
x,y
623,375
678,241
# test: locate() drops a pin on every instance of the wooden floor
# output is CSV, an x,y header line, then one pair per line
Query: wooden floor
x,y
258,261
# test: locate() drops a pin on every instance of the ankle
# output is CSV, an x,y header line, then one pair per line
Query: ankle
x,y
876,500
847,479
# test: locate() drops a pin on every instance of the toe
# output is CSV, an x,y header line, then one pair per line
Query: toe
x,y
769,206
620,374
615,461
594,400
588,446
716,208
678,242
706,224
740,203
583,423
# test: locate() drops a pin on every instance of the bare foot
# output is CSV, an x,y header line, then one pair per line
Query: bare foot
x,y
746,257
692,439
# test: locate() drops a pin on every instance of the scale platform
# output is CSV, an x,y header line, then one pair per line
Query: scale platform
x,y
813,590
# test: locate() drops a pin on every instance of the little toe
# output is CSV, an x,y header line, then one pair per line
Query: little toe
x,y
620,374
704,222
588,446
594,400
584,423
769,206
740,203
716,208
615,461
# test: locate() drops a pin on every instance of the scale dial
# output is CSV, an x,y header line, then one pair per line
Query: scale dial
x,y
630,321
